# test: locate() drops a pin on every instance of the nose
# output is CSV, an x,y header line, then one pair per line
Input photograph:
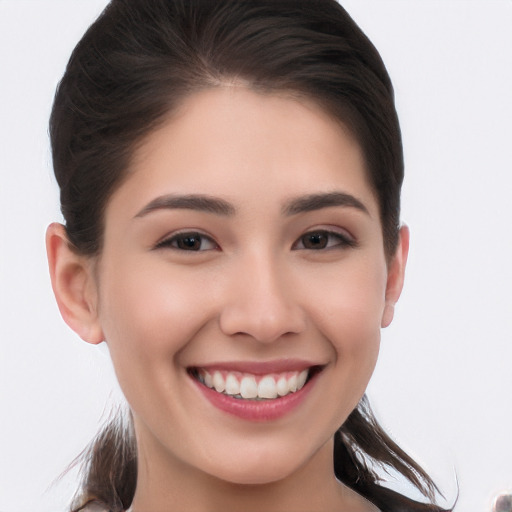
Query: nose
x,y
261,302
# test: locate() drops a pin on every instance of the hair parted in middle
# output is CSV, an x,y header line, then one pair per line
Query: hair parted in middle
x,y
139,61
130,73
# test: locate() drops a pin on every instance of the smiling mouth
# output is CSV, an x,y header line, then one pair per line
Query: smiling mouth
x,y
247,386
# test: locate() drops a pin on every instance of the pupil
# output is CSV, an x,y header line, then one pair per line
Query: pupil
x,y
190,242
316,241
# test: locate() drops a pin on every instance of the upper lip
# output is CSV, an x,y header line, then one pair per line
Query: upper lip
x,y
261,367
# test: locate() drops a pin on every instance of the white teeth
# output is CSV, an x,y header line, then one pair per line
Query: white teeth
x,y
249,387
232,385
301,380
218,382
282,387
292,383
207,379
267,388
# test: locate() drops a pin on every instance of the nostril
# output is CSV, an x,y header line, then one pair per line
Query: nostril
x,y
262,321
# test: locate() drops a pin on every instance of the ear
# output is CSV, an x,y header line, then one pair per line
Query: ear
x,y
73,284
396,273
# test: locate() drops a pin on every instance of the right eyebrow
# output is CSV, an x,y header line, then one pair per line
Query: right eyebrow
x,y
314,202
202,203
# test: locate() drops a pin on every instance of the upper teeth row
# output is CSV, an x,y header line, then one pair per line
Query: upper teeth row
x,y
249,386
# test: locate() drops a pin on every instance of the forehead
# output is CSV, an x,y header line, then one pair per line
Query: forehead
x,y
235,143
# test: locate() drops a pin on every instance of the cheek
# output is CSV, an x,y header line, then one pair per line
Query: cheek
x,y
349,311
148,315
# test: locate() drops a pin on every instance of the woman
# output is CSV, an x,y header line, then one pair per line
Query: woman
x,y
230,179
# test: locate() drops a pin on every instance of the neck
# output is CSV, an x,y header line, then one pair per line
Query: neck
x,y
164,483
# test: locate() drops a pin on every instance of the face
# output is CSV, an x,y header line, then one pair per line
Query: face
x,y
242,285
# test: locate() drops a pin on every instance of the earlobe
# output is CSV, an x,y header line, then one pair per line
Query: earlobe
x,y
73,284
396,274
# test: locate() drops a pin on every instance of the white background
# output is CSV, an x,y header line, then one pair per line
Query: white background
x,y
443,384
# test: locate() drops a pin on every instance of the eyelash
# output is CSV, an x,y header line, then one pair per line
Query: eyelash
x,y
174,241
342,241
321,236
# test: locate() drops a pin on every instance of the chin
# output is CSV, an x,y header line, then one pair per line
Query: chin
x,y
258,477
261,472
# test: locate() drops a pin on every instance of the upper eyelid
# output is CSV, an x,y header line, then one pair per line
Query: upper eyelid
x,y
334,230
170,236
347,239
330,230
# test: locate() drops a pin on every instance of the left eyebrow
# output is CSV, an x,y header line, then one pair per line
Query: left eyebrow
x,y
314,202
202,203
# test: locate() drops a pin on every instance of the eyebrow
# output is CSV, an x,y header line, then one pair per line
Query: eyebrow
x,y
202,203
314,202
208,204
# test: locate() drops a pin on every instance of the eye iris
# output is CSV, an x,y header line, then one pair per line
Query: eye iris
x,y
315,241
190,242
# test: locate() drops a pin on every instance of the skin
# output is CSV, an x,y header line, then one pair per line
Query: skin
x,y
254,292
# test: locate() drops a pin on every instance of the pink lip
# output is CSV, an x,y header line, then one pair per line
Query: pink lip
x,y
256,410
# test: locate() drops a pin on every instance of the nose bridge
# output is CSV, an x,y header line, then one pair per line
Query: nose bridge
x,y
260,299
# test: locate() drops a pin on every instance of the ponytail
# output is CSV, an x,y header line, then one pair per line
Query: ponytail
x,y
360,445
109,465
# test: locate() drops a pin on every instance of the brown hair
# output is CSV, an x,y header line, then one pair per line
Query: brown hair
x,y
133,66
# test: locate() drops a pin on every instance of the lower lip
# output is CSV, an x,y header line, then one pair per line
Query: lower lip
x,y
256,410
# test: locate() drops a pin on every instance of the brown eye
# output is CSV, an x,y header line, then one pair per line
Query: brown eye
x,y
189,242
317,240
